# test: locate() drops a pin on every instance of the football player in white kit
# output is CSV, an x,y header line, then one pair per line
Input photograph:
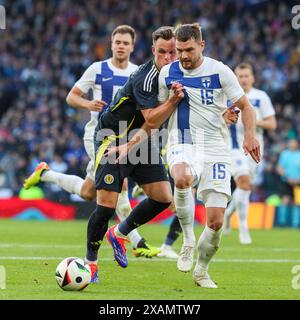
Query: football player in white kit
x,y
244,168
104,78
198,143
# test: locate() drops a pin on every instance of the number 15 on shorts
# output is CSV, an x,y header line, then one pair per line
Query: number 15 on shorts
x,y
219,171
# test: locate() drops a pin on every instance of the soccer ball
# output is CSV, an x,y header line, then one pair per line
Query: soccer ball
x,y
72,275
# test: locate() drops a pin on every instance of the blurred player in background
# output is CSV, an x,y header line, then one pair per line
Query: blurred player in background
x,y
288,168
198,147
243,167
104,78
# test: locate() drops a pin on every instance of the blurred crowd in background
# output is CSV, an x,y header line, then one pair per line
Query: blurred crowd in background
x,y
47,45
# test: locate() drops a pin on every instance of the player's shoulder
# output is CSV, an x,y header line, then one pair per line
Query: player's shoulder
x,y
147,67
259,93
132,66
214,66
97,64
214,63
145,74
95,67
165,70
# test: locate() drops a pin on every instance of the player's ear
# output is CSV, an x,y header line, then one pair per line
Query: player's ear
x,y
202,44
153,50
111,43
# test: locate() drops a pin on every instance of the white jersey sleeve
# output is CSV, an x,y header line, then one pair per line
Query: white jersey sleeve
x,y
230,84
267,109
87,80
163,91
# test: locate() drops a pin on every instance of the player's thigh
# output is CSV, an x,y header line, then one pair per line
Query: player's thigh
x,y
88,189
215,203
239,164
184,165
108,183
88,138
158,191
154,180
215,177
244,182
107,198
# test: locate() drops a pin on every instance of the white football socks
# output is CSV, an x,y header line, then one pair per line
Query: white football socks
x,y
242,206
70,183
208,245
185,210
123,210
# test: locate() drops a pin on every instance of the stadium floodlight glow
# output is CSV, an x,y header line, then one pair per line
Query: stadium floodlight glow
x,y
2,18
2,278
296,18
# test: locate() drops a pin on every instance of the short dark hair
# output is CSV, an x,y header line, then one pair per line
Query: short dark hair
x,y
165,32
244,65
124,28
184,32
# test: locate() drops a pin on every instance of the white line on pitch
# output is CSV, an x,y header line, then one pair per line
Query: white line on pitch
x,y
161,259
44,246
74,246
260,249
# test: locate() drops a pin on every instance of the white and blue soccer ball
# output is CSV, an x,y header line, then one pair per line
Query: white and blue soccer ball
x,y
72,274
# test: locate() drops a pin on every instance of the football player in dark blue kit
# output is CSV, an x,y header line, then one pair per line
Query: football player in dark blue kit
x,y
131,105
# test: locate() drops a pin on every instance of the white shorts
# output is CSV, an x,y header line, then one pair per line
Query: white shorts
x,y
210,175
242,165
88,140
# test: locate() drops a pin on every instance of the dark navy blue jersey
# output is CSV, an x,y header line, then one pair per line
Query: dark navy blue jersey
x,y
139,92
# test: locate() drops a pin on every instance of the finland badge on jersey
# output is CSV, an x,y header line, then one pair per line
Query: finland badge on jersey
x,y
206,82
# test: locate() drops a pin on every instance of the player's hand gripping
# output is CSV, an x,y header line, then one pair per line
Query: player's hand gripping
x,y
96,105
231,115
120,152
251,145
178,91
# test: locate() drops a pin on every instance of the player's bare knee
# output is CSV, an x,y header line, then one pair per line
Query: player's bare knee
x,y
88,194
107,199
109,203
184,182
215,225
244,183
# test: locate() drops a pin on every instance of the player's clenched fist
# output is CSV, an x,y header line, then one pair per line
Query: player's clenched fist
x,y
231,115
96,105
178,90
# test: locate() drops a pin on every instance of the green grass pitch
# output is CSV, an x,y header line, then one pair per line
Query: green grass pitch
x,y
31,250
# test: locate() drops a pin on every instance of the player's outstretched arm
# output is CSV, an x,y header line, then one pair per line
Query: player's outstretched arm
x,y
76,100
154,118
142,134
251,144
